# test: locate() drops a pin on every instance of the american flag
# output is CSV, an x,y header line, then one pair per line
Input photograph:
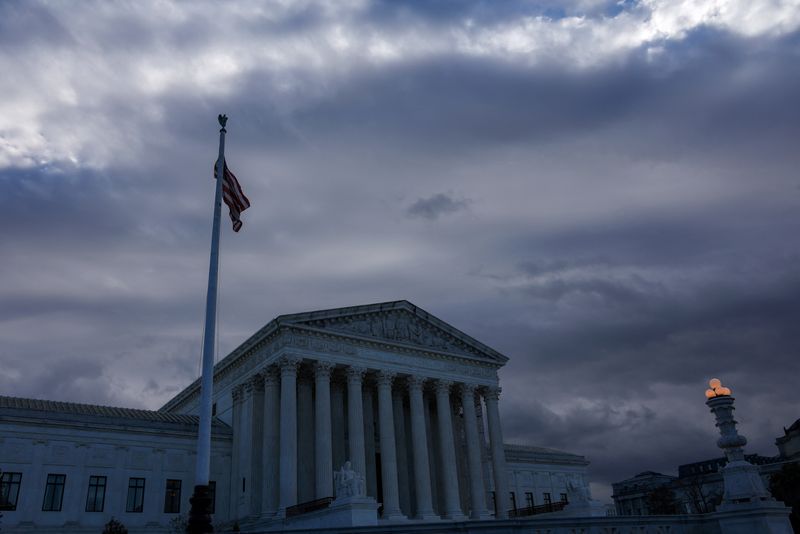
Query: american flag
x,y
233,196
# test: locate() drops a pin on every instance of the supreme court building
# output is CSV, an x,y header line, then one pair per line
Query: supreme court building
x,y
411,402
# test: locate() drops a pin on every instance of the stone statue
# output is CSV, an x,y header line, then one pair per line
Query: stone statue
x,y
349,483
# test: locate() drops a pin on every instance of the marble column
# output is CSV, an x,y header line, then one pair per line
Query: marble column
x,y
237,395
477,491
419,440
391,493
288,433
485,469
255,481
355,420
369,439
338,423
270,458
245,451
322,430
305,436
452,508
492,396
402,454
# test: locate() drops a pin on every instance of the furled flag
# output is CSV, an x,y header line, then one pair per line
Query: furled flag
x,y
233,196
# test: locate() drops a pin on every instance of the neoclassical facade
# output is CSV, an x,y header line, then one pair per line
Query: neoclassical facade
x,y
411,402
406,398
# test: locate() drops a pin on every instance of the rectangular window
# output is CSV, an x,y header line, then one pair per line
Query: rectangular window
x,y
172,497
563,497
135,495
213,409
513,500
212,492
547,499
494,502
54,493
529,499
96,497
9,490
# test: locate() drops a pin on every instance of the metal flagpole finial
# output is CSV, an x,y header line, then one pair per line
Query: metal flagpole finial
x,y
223,119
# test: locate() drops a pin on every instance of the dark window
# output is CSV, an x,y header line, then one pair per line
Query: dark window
x,y
212,492
135,495
513,500
54,493
96,498
563,497
9,490
214,409
529,499
547,499
172,498
494,502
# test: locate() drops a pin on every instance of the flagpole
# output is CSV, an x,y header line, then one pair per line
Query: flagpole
x,y
199,515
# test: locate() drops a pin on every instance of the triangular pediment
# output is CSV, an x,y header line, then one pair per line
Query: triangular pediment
x,y
399,323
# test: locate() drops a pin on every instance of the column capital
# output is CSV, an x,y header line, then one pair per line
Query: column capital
x,y
385,378
492,393
323,369
443,387
247,386
416,382
270,376
468,389
355,375
256,382
237,393
289,365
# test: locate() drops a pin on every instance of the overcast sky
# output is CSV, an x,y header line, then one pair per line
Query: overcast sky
x,y
606,192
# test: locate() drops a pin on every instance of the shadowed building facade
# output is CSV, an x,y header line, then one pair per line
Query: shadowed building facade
x,y
411,402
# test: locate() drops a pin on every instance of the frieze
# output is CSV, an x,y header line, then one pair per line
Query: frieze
x,y
396,327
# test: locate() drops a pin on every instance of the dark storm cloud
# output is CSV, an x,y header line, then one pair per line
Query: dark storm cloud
x,y
630,209
433,207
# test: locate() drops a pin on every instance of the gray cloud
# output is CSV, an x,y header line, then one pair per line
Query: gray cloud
x,y
629,206
435,206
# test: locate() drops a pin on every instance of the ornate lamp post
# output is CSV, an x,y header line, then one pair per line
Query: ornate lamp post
x,y
742,480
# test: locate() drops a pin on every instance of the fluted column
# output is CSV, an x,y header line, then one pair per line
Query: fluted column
x,y
322,428
288,437
255,480
391,495
476,490
452,508
270,459
485,469
306,474
338,423
402,450
419,442
237,395
492,396
355,420
369,438
245,451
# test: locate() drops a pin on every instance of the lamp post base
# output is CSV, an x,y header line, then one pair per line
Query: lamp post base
x,y
200,512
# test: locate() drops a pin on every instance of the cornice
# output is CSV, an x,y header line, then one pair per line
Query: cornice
x,y
275,336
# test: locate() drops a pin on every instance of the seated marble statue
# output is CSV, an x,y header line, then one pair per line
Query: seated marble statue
x,y
348,482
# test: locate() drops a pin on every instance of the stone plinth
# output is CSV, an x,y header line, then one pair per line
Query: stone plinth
x,y
343,512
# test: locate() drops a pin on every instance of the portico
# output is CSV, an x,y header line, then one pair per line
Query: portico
x,y
410,401
256,397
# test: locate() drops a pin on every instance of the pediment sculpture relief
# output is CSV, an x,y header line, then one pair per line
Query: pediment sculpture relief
x,y
394,326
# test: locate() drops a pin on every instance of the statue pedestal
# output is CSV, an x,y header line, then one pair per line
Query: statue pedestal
x,y
343,512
